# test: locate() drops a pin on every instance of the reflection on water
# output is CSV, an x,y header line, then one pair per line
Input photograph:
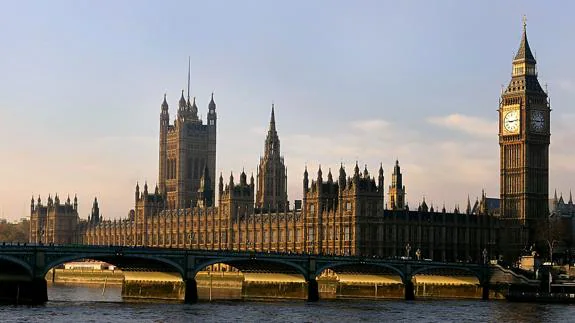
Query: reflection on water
x,y
89,304
85,293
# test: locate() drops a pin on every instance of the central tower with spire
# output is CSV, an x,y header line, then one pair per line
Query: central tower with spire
x,y
272,174
524,136
187,161
397,189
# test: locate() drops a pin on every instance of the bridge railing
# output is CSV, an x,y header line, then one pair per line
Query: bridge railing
x,y
229,253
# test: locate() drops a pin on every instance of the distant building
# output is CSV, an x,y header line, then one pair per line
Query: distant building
x,y
54,222
85,265
561,227
396,189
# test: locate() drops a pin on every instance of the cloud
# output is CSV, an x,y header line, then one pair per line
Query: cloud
x,y
567,85
370,125
107,167
440,170
474,126
131,140
258,130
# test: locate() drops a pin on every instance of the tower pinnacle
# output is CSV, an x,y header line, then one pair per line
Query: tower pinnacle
x,y
189,66
212,106
272,174
165,102
182,103
524,53
273,120
397,189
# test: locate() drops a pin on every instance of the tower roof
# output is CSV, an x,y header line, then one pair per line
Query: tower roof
x,y
182,100
194,106
273,120
272,144
212,104
165,102
524,52
524,74
205,180
396,168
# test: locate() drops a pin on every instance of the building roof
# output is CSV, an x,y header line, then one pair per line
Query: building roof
x,y
524,52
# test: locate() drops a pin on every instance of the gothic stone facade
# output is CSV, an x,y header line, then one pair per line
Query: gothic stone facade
x,y
344,216
186,148
524,136
54,222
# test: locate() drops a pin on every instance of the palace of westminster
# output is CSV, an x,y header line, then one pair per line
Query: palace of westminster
x,y
344,215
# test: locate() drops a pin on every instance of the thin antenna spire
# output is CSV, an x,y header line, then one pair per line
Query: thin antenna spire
x,y
524,22
189,66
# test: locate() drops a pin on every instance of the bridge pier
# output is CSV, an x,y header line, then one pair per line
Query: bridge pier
x,y
312,290
191,295
24,292
485,291
409,290
39,290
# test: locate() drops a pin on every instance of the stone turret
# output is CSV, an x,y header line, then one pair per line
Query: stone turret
x,y
237,200
271,192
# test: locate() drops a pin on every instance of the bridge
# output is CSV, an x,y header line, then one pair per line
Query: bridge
x,y
27,265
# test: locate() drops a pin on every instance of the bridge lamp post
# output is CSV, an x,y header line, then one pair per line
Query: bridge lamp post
x,y
484,253
418,253
407,249
41,233
551,245
191,236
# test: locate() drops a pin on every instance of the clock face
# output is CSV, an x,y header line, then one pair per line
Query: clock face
x,y
511,121
537,120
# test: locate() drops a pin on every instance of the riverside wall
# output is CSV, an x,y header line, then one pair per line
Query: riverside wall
x,y
235,285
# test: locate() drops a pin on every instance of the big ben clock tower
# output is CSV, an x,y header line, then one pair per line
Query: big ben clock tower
x,y
524,132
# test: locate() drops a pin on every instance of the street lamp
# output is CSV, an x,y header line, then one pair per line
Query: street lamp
x,y
41,233
484,253
418,253
191,235
407,249
551,246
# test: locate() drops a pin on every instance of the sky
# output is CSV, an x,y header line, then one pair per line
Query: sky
x,y
368,81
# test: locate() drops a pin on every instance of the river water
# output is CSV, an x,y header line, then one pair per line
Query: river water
x,y
95,304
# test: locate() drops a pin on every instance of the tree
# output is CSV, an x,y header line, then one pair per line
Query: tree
x,y
555,236
15,232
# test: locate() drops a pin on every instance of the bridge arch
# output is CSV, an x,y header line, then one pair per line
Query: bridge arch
x,y
246,262
432,268
360,264
115,259
18,262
